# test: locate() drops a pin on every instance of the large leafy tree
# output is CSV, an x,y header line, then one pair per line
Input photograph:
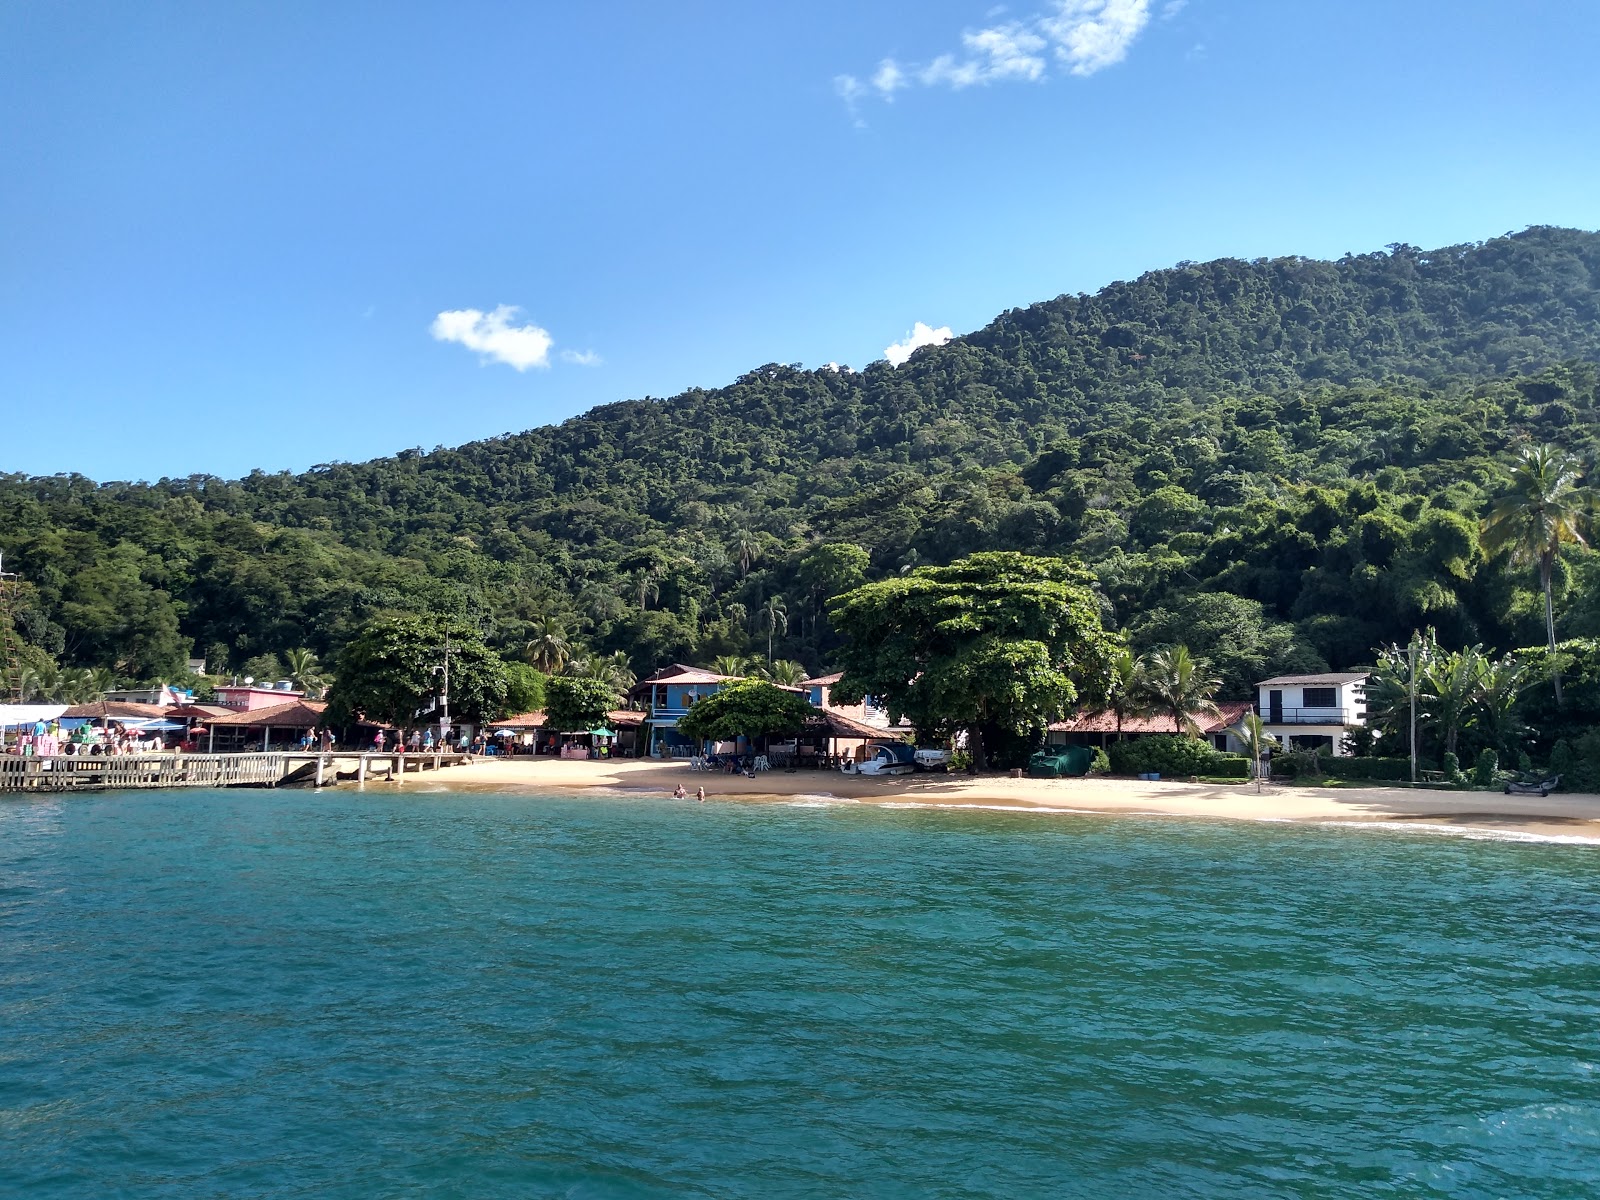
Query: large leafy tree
x,y
989,644
752,708
1544,509
575,703
393,671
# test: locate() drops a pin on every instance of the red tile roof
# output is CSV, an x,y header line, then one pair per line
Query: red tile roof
x,y
116,710
297,714
1231,712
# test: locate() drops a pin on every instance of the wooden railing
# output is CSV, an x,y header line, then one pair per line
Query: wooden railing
x,y
81,772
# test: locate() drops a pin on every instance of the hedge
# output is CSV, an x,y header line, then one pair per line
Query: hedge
x,y
1395,769
1170,754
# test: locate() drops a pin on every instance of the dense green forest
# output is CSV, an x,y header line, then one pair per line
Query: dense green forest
x,y
1285,460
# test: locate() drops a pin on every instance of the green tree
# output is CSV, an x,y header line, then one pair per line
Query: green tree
x,y
524,689
752,708
1544,509
1180,685
988,644
393,671
1233,634
577,703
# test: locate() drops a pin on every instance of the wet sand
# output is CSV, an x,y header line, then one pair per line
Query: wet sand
x,y
1559,816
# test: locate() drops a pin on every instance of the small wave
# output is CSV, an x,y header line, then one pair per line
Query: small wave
x,y
1010,808
1472,833
817,800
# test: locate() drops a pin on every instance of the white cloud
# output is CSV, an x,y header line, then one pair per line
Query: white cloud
x,y
1172,8
494,337
1082,36
1091,35
581,358
921,335
889,78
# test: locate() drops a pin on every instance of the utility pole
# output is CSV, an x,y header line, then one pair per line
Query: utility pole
x,y
1411,656
444,698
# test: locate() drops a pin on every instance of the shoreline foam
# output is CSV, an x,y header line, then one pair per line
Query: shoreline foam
x,y
1562,818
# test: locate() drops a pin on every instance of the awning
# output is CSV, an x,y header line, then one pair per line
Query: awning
x,y
601,733
29,714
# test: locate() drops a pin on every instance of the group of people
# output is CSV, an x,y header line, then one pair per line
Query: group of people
x,y
424,741
48,739
680,794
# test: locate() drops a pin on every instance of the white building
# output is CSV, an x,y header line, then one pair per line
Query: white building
x,y
1309,712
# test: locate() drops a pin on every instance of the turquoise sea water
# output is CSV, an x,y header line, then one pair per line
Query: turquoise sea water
x,y
293,994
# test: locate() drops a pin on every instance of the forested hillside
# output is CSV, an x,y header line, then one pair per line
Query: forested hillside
x,y
1288,457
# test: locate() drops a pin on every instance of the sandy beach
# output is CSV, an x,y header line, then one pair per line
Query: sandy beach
x,y
1559,816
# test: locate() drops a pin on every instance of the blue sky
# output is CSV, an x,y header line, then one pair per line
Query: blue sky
x,y
269,235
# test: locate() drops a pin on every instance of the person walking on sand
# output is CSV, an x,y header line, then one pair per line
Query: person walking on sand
x,y
700,794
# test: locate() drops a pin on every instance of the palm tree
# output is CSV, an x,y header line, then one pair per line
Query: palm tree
x,y
548,649
746,549
728,664
738,614
1500,686
786,672
304,671
1252,734
775,616
612,668
1544,510
646,581
1124,688
1180,685
96,683
1448,687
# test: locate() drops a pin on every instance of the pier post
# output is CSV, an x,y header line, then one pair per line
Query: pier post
x,y
320,761
361,769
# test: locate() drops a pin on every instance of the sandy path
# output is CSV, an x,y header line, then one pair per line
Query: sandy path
x,y
1576,816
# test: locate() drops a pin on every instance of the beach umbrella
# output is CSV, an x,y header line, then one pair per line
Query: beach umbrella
x,y
601,733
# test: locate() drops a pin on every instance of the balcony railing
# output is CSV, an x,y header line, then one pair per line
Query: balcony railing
x,y
1312,716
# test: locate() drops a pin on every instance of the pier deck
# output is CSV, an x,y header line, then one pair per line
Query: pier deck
x,y
71,773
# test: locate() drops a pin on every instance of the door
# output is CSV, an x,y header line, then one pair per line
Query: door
x,y
1275,707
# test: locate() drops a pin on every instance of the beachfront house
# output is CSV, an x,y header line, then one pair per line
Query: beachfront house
x,y
665,697
1100,728
1313,712
819,692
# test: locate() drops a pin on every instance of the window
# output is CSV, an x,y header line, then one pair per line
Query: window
x,y
1322,697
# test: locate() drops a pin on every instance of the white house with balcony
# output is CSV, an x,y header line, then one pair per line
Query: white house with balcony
x,y
1312,712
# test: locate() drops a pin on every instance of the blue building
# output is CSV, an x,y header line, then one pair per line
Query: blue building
x,y
665,697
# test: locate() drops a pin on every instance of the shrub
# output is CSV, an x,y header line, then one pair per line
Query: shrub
x,y
1452,770
1164,753
1229,766
1101,765
1487,770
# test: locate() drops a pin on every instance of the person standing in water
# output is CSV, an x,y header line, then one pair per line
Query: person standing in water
x,y
700,794
679,793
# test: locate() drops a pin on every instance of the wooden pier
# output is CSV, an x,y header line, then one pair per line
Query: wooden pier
x,y
88,772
